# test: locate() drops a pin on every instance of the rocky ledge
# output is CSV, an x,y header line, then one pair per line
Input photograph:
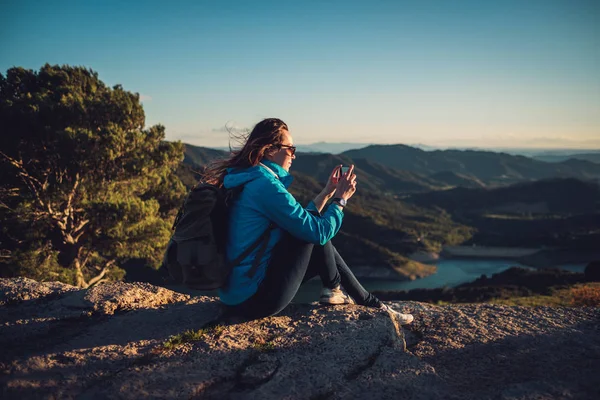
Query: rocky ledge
x,y
136,340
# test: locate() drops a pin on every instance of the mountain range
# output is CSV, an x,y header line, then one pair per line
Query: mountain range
x,y
591,157
490,168
403,169
543,154
413,200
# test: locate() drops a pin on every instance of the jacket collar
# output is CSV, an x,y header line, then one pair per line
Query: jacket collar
x,y
284,176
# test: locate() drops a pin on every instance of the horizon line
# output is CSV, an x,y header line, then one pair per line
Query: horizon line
x,y
417,145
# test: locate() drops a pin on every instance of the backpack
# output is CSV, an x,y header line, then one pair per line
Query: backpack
x,y
196,253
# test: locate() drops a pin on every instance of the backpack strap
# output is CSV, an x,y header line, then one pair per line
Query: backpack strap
x,y
178,217
180,212
264,239
261,251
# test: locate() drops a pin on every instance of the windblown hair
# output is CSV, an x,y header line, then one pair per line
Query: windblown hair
x,y
264,138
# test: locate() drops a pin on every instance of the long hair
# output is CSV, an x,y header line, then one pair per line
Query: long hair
x,y
266,136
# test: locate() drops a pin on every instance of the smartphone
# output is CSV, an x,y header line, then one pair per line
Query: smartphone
x,y
345,170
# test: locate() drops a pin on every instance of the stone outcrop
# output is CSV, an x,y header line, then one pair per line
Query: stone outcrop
x,y
135,340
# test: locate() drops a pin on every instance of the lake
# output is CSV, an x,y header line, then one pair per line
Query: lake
x,y
450,272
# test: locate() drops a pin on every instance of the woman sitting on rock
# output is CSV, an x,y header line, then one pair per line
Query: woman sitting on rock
x,y
299,245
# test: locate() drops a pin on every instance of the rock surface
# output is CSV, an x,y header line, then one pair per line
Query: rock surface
x,y
121,340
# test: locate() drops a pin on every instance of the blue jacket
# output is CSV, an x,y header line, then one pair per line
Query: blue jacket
x,y
264,199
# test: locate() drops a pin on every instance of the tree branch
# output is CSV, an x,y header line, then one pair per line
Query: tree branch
x,y
4,205
80,226
98,277
78,236
72,194
87,257
102,281
69,208
29,180
79,275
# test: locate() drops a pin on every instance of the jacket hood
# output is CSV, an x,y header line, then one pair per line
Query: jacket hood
x,y
236,177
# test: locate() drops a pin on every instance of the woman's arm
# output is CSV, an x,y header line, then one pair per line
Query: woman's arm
x,y
322,199
329,189
279,206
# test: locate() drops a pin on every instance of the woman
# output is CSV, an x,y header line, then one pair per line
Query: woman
x,y
299,245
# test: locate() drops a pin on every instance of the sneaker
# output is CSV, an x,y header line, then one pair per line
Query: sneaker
x,y
335,296
403,319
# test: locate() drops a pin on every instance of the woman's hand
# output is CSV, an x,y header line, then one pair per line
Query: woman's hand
x,y
346,186
332,182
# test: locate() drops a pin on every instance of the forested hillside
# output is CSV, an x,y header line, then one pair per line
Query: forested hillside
x,y
557,213
491,168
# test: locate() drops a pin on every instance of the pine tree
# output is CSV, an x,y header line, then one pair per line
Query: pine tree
x,y
85,186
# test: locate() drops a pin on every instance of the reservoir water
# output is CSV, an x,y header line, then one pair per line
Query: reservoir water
x,y
450,272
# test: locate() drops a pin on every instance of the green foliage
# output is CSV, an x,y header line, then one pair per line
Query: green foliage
x,y
185,337
579,295
191,335
40,263
264,347
85,184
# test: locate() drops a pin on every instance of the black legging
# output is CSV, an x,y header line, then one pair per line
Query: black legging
x,y
294,262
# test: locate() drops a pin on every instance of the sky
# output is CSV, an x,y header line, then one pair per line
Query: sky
x,y
441,73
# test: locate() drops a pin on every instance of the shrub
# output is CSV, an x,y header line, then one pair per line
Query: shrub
x,y
585,296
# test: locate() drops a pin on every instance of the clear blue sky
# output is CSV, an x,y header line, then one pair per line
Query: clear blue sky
x,y
446,73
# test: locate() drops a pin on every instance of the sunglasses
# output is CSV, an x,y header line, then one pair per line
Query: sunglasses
x,y
286,146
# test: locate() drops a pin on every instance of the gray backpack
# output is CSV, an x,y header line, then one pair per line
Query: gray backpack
x,y
196,253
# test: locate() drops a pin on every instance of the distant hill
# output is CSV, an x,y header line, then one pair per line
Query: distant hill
x,y
557,212
558,196
405,169
455,179
591,157
332,148
337,148
528,151
489,167
323,147
371,175
196,155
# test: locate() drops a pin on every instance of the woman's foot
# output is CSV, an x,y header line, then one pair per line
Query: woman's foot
x,y
335,296
403,319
